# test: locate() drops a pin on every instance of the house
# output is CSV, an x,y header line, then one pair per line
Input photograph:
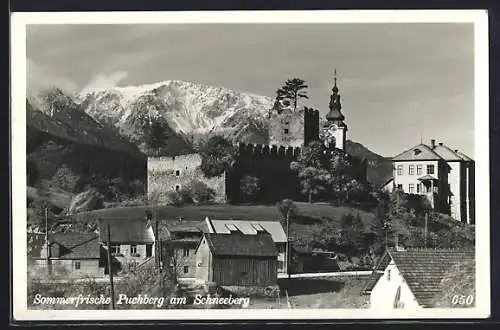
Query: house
x,y
179,240
250,227
237,259
65,255
132,241
444,176
411,279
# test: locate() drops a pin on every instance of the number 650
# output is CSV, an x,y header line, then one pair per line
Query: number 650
x,y
462,300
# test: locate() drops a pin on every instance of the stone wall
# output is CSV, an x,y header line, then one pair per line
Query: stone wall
x,y
166,174
293,129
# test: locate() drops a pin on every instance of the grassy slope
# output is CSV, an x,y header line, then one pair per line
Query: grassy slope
x,y
241,212
327,292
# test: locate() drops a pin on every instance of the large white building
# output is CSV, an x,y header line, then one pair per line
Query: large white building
x,y
445,176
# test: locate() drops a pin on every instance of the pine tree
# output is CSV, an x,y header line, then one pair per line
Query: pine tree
x,y
293,90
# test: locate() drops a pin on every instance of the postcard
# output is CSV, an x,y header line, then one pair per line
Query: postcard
x,y
250,165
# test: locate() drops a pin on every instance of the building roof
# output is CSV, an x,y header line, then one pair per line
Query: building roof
x,y
126,230
248,227
71,245
167,228
464,156
418,152
427,177
422,269
425,152
446,153
238,244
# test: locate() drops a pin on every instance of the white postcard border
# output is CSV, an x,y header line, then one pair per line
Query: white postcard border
x,y
18,147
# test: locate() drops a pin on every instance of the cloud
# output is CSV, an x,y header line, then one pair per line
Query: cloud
x,y
105,80
39,78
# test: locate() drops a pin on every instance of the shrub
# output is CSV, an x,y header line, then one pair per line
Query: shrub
x,y
65,178
174,198
218,155
201,193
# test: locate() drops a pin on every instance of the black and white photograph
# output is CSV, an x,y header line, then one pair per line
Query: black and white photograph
x,y
261,165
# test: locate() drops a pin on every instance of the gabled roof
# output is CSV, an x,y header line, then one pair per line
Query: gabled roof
x,y
71,245
464,156
422,269
247,227
126,231
446,153
425,152
238,244
427,177
418,152
171,228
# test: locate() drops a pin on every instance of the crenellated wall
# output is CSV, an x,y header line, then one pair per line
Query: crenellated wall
x,y
166,174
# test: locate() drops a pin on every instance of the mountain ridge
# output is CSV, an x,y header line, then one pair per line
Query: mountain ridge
x,y
192,112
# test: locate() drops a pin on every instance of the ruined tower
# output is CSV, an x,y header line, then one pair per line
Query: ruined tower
x,y
290,128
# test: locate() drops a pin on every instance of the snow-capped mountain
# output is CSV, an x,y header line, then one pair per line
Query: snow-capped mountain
x,y
191,110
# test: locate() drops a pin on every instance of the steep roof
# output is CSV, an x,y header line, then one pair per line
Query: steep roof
x,y
418,152
464,156
248,227
446,153
422,269
238,244
167,228
126,230
71,245
425,152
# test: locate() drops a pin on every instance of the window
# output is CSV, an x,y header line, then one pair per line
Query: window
x,y
77,265
231,227
115,249
400,169
257,227
177,173
133,249
388,274
418,188
177,187
416,152
411,188
419,169
428,189
186,269
400,187
411,169
186,252
430,169
286,130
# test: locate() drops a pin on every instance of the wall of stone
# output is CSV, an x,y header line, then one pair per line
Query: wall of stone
x,y
287,128
166,174
294,129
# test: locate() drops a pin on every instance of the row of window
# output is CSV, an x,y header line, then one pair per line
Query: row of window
x,y
412,167
420,188
115,249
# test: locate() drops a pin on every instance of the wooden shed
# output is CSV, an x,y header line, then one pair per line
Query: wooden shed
x,y
236,259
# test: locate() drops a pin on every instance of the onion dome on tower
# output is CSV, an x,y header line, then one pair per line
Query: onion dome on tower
x,y
335,115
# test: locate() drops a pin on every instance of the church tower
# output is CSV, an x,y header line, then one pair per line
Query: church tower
x,y
334,132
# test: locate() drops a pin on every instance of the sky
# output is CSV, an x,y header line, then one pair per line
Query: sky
x,y
400,83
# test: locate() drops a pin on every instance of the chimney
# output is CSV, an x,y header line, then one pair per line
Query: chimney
x,y
433,143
